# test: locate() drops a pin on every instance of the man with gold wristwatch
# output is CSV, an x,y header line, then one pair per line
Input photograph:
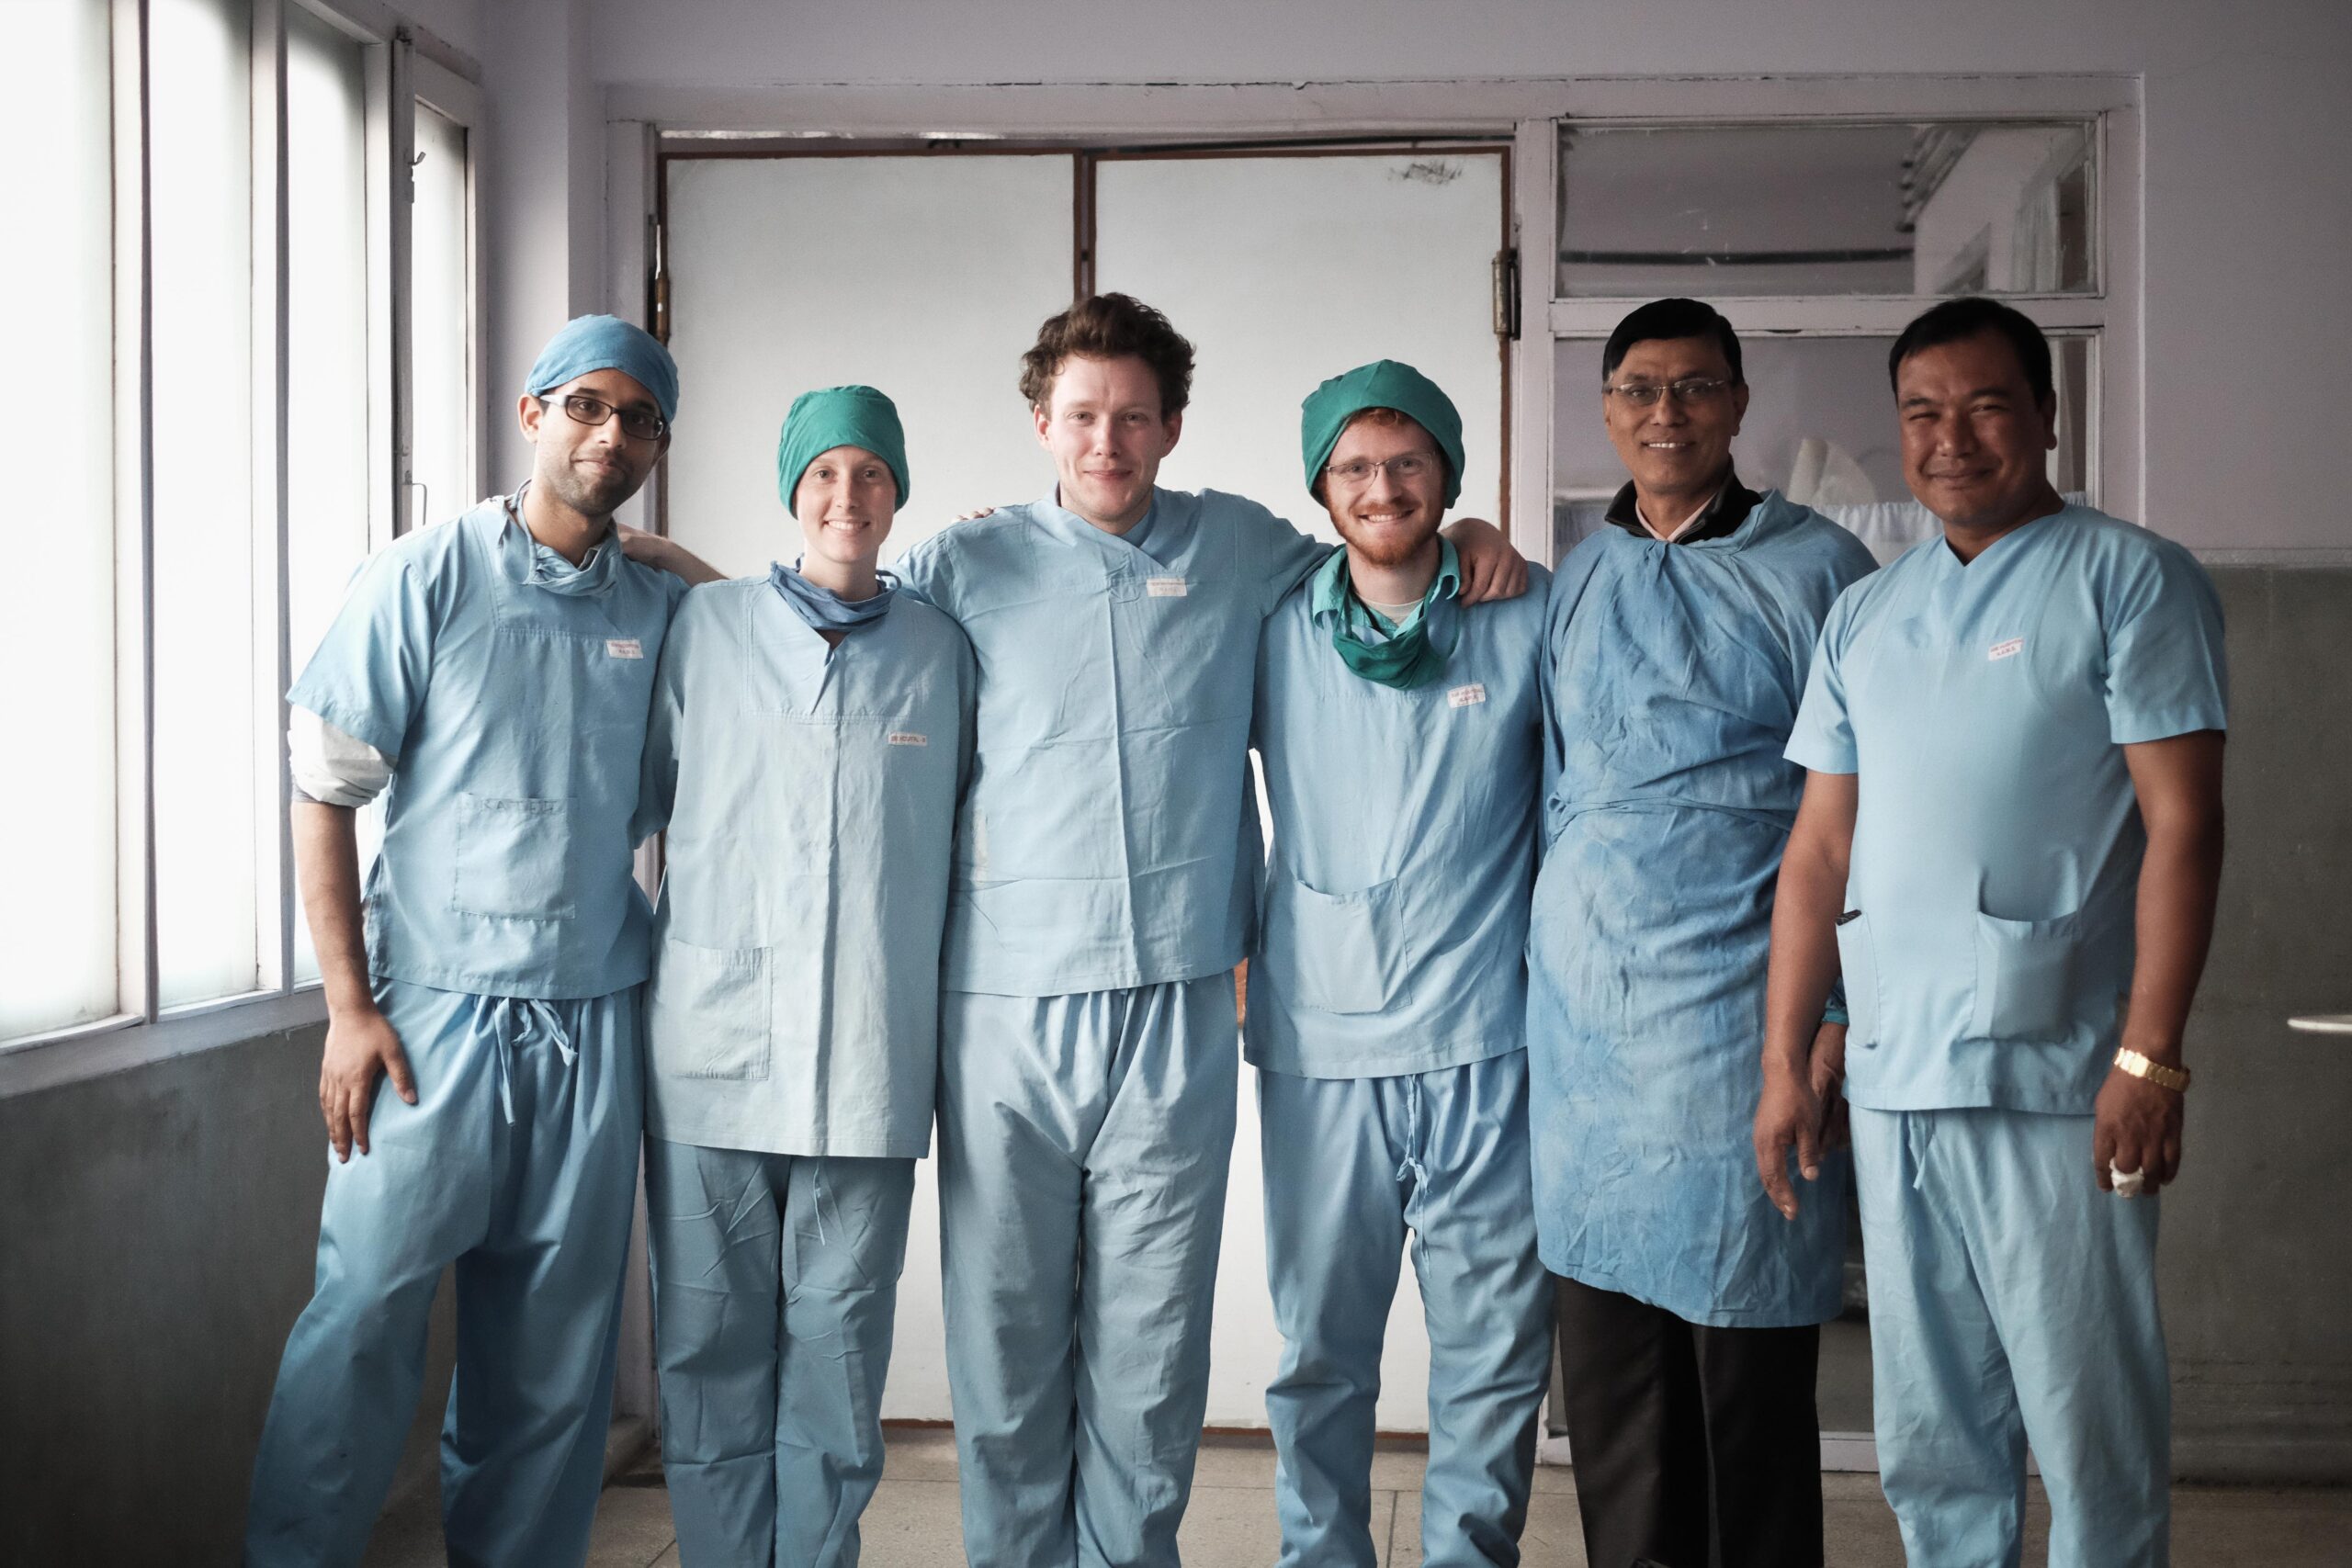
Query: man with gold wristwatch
x,y
2009,845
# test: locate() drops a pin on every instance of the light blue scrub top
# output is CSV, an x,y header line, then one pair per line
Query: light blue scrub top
x,y
1989,939
811,798
510,689
1393,930
1673,673
1101,844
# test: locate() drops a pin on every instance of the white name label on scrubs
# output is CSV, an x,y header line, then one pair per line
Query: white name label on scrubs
x,y
1164,587
624,647
907,737
2010,649
1462,696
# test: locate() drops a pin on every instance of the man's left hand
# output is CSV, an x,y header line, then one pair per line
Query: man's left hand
x,y
1491,568
665,554
2135,1126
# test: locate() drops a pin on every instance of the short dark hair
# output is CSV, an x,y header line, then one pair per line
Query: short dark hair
x,y
1957,320
1672,319
1109,326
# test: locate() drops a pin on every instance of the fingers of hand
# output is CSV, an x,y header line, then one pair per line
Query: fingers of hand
x,y
396,1064
1771,1169
338,1124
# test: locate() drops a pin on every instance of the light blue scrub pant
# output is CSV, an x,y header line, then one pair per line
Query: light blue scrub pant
x,y
518,1164
1083,1142
775,1280
2012,1302
1350,1165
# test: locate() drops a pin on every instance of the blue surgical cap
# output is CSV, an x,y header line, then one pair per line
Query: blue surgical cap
x,y
607,342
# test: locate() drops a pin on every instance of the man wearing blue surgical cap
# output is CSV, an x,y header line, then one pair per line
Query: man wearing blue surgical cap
x,y
489,677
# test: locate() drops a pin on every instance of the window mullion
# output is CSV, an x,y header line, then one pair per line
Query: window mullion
x,y
134,518
273,834
399,125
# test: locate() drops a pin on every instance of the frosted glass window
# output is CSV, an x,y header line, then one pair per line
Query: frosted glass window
x,y
1809,209
327,340
58,920
440,327
205,560
1820,426
1286,270
923,276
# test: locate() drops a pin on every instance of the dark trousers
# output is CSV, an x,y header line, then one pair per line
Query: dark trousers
x,y
1693,1447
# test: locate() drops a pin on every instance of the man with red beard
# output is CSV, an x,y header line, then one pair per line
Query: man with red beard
x,y
1401,732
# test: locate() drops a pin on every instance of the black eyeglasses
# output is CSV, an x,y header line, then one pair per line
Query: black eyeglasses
x,y
641,424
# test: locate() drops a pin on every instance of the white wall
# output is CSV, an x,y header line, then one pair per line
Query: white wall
x,y
2246,211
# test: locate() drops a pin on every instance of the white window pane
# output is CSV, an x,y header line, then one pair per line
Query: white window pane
x,y
327,341
206,708
1820,427
1886,208
442,464
57,623
923,276
1284,271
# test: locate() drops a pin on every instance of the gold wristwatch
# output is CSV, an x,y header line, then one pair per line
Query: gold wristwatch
x,y
2156,1073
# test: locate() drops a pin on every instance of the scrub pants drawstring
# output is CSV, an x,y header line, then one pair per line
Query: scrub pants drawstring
x,y
816,1185
514,1022
1915,1137
1416,1135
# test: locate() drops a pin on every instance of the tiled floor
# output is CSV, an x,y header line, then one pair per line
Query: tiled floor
x,y
1230,1524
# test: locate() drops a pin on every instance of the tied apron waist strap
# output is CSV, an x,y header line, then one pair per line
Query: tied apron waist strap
x,y
514,1023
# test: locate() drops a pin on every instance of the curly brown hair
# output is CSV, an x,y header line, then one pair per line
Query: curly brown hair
x,y
1110,326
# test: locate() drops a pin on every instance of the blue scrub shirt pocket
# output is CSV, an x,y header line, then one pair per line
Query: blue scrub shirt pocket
x,y
1335,949
2025,979
1859,966
513,858
708,1012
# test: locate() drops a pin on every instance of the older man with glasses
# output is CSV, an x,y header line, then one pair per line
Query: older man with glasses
x,y
1688,1310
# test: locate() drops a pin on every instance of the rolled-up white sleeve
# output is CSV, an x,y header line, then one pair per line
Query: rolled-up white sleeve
x,y
331,767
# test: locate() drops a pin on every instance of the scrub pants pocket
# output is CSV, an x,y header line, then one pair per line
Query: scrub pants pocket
x,y
2025,979
708,1013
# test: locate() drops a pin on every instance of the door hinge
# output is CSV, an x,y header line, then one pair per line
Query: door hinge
x,y
1506,272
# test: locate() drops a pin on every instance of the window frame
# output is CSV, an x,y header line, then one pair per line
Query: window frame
x,y
2108,314
400,58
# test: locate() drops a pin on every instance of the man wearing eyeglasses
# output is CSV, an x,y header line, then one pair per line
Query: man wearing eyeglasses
x,y
1401,732
1689,1309
1100,902
490,679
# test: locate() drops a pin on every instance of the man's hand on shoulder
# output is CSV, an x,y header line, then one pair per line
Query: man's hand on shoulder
x,y
1491,567
665,554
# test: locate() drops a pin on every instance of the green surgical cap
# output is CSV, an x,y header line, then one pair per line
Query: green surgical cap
x,y
838,416
1383,384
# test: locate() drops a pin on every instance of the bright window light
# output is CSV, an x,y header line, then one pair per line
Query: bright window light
x,y
58,920
207,749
